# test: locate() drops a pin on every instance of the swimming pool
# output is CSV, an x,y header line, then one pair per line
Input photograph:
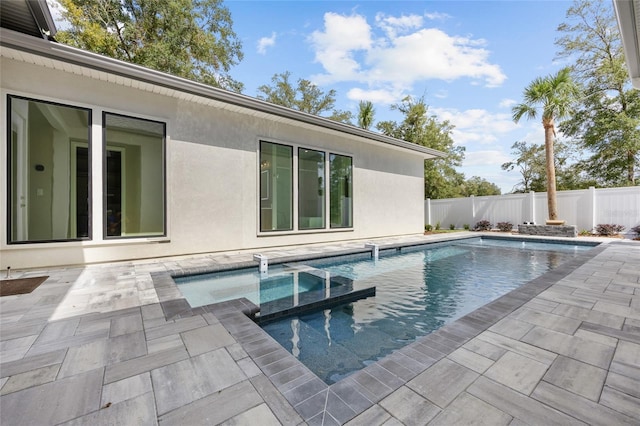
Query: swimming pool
x,y
418,290
416,293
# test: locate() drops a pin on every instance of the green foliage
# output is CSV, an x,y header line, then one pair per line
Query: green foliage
x,y
478,186
608,230
190,39
452,226
305,97
366,113
466,226
440,176
483,225
428,228
504,226
584,232
437,226
530,162
606,125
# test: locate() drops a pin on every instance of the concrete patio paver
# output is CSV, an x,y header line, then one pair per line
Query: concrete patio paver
x,y
116,344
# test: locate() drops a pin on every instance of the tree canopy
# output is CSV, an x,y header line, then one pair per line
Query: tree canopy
x,y
188,38
304,96
606,124
441,179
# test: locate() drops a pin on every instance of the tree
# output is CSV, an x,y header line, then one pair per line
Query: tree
x,y
305,97
554,95
191,39
607,119
530,161
366,112
478,186
441,180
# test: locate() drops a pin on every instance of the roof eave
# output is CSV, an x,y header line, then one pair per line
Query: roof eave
x,y
61,52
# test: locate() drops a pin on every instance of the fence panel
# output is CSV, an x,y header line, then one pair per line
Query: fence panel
x,y
620,206
583,208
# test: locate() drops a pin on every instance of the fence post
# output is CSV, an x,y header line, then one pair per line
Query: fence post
x,y
473,210
532,203
428,211
592,201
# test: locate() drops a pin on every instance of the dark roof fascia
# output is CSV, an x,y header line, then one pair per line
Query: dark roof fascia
x,y
42,15
64,53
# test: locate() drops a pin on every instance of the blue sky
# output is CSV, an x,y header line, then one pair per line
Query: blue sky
x,y
470,59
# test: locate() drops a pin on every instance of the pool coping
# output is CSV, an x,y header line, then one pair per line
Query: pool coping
x,y
311,397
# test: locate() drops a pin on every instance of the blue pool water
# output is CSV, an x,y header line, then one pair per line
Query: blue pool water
x,y
279,283
417,292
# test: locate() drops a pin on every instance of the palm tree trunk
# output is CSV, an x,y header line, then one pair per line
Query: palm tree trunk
x,y
549,136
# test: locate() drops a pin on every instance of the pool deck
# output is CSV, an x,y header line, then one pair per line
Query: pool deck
x,y
115,344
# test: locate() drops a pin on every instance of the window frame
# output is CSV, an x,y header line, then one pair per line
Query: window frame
x,y
293,202
295,230
9,178
331,226
324,188
103,159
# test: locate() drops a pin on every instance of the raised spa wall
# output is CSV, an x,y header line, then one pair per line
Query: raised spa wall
x,y
549,230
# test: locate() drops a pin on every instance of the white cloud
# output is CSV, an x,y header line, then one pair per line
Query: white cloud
x,y
266,42
336,45
507,103
485,158
393,25
377,96
437,16
476,126
403,54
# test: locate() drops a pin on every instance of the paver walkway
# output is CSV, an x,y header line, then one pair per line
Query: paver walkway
x,y
114,344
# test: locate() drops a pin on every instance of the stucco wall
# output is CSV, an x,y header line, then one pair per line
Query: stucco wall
x,y
212,174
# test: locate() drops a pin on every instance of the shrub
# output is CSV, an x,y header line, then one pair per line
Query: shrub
x,y
636,230
585,232
452,226
428,228
483,225
606,229
504,226
437,226
466,226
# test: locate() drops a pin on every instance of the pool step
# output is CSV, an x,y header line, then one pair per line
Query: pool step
x,y
339,291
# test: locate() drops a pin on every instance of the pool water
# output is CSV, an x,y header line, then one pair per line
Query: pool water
x,y
417,292
279,283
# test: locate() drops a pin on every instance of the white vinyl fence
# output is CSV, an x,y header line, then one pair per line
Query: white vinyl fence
x,y
583,208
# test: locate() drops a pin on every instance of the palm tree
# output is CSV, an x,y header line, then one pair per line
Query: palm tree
x,y
555,95
365,114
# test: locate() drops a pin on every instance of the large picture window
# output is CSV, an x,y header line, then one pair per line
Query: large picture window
x,y
276,187
134,179
49,177
341,201
311,193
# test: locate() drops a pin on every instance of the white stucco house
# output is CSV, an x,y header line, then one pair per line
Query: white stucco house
x,y
103,160
628,15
